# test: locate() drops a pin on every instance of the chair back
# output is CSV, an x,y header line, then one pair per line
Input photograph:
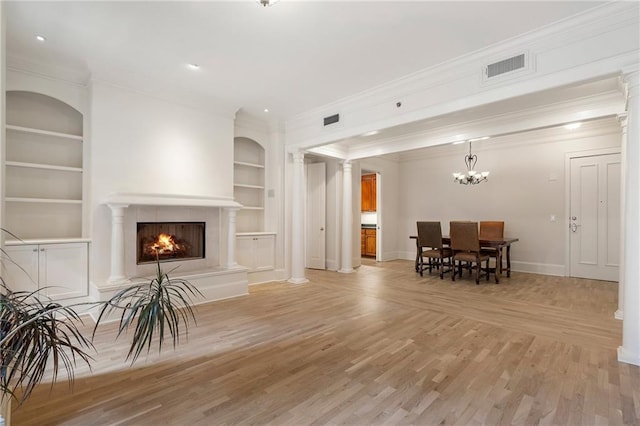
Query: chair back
x,y
430,234
491,230
464,236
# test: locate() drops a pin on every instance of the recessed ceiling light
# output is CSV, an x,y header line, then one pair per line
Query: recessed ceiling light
x,y
371,133
193,66
41,38
266,110
572,126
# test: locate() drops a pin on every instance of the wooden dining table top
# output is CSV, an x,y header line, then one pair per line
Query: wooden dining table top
x,y
485,242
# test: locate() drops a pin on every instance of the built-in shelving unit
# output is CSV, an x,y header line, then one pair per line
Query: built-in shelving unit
x,y
43,167
248,184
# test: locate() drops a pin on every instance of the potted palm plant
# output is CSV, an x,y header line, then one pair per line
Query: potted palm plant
x,y
39,337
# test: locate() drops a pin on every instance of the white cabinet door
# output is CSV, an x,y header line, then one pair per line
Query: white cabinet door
x,y
244,251
256,252
59,270
63,270
264,255
20,267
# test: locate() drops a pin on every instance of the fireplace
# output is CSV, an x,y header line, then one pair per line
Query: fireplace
x,y
169,241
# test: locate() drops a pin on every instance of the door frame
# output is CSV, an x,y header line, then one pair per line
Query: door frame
x,y
567,198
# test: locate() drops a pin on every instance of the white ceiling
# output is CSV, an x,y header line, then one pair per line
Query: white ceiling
x,y
291,57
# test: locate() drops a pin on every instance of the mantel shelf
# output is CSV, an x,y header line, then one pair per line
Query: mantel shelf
x,y
168,200
252,208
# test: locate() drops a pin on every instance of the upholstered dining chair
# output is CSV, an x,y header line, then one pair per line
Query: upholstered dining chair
x,y
430,238
491,230
465,244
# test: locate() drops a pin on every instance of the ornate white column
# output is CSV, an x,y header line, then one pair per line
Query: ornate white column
x,y
231,237
622,118
297,221
117,244
629,352
347,219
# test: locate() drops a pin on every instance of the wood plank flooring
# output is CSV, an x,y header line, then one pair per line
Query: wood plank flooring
x,y
380,346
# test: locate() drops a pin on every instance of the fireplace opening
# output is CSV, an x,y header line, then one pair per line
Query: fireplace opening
x,y
170,241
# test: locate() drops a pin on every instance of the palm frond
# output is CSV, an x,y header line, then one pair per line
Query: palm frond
x,y
155,309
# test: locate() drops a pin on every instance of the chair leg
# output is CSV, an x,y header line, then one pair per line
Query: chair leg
x,y
453,270
478,272
420,265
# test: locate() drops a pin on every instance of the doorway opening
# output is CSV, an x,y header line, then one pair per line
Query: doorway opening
x,y
370,235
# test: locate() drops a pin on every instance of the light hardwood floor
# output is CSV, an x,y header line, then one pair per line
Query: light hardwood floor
x,y
380,346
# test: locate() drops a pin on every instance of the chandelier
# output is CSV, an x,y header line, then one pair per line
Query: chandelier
x,y
471,176
266,3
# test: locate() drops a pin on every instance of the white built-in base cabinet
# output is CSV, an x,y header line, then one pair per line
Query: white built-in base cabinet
x,y
256,251
59,270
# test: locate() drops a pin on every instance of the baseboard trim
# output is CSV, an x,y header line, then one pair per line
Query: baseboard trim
x,y
538,268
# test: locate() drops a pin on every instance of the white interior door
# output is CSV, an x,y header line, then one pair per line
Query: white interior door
x,y
594,219
316,215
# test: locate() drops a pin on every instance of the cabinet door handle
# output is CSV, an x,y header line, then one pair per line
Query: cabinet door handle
x,y
35,250
41,249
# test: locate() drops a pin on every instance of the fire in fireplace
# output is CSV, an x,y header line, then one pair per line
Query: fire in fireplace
x,y
170,241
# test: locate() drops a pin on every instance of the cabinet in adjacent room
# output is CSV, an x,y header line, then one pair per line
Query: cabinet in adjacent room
x,y
58,270
368,193
368,243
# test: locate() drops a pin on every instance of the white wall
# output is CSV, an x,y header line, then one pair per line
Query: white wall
x,y
140,144
525,187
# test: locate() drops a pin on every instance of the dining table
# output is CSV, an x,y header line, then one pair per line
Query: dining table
x,y
501,245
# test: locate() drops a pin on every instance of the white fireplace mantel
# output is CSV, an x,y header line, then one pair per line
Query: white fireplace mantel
x,y
119,202
126,199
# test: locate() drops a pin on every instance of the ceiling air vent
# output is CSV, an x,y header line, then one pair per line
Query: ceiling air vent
x,y
505,66
331,119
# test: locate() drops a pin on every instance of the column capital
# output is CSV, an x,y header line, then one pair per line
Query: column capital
x,y
298,156
623,119
347,165
117,207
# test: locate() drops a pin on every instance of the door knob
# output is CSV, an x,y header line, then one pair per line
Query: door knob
x,y
573,218
322,229
574,227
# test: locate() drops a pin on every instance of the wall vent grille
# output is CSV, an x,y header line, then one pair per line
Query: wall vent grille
x,y
505,66
331,119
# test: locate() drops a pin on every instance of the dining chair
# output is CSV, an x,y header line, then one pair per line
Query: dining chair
x,y
465,243
430,237
491,230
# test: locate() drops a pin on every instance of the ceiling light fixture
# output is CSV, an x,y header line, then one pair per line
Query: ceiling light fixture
x,y
193,66
371,133
266,3
41,38
266,110
471,177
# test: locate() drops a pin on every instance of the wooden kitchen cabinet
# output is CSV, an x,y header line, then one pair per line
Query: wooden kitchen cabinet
x,y
368,243
368,193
